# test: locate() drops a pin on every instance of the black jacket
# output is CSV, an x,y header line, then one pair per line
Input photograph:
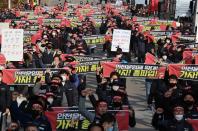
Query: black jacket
x,y
5,96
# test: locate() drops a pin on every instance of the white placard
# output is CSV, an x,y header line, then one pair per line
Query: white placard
x,y
4,26
122,39
12,44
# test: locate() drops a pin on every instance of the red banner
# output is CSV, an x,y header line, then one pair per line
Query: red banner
x,y
184,71
134,70
63,118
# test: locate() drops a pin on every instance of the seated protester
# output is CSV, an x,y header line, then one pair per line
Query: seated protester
x,y
47,55
7,123
95,127
79,49
115,79
117,104
5,94
68,47
13,126
101,107
71,91
173,93
31,127
178,123
55,86
120,57
190,109
103,89
160,118
57,63
107,121
33,113
164,59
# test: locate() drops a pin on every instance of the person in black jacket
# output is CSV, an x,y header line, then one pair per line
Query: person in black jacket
x,y
71,91
47,55
33,112
5,94
178,123
141,49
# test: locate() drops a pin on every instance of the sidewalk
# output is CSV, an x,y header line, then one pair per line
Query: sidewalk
x,y
136,95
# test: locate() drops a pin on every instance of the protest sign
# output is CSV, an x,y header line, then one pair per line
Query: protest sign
x,y
134,70
3,26
121,39
63,118
12,44
189,72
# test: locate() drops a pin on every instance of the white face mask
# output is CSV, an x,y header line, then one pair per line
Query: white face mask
x,y
164,57
179,117
64,78
20,100
168,41
115,88
50,100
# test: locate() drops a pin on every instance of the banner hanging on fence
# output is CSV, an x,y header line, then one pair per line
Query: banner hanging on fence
x,y
189,72
61,120
134,70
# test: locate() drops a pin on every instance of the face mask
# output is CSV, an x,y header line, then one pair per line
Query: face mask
x,y
44,37
64,78
115,88
179,117
173,84
42,49
189,103
117,104
164,57
50,100
110,129
35,113
49,47
168,41
20,100
54,88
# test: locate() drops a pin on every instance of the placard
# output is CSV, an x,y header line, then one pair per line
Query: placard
x,y
121,39
12,44
4,26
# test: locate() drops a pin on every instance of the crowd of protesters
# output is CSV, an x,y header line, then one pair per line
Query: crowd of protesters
x,y
23,107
